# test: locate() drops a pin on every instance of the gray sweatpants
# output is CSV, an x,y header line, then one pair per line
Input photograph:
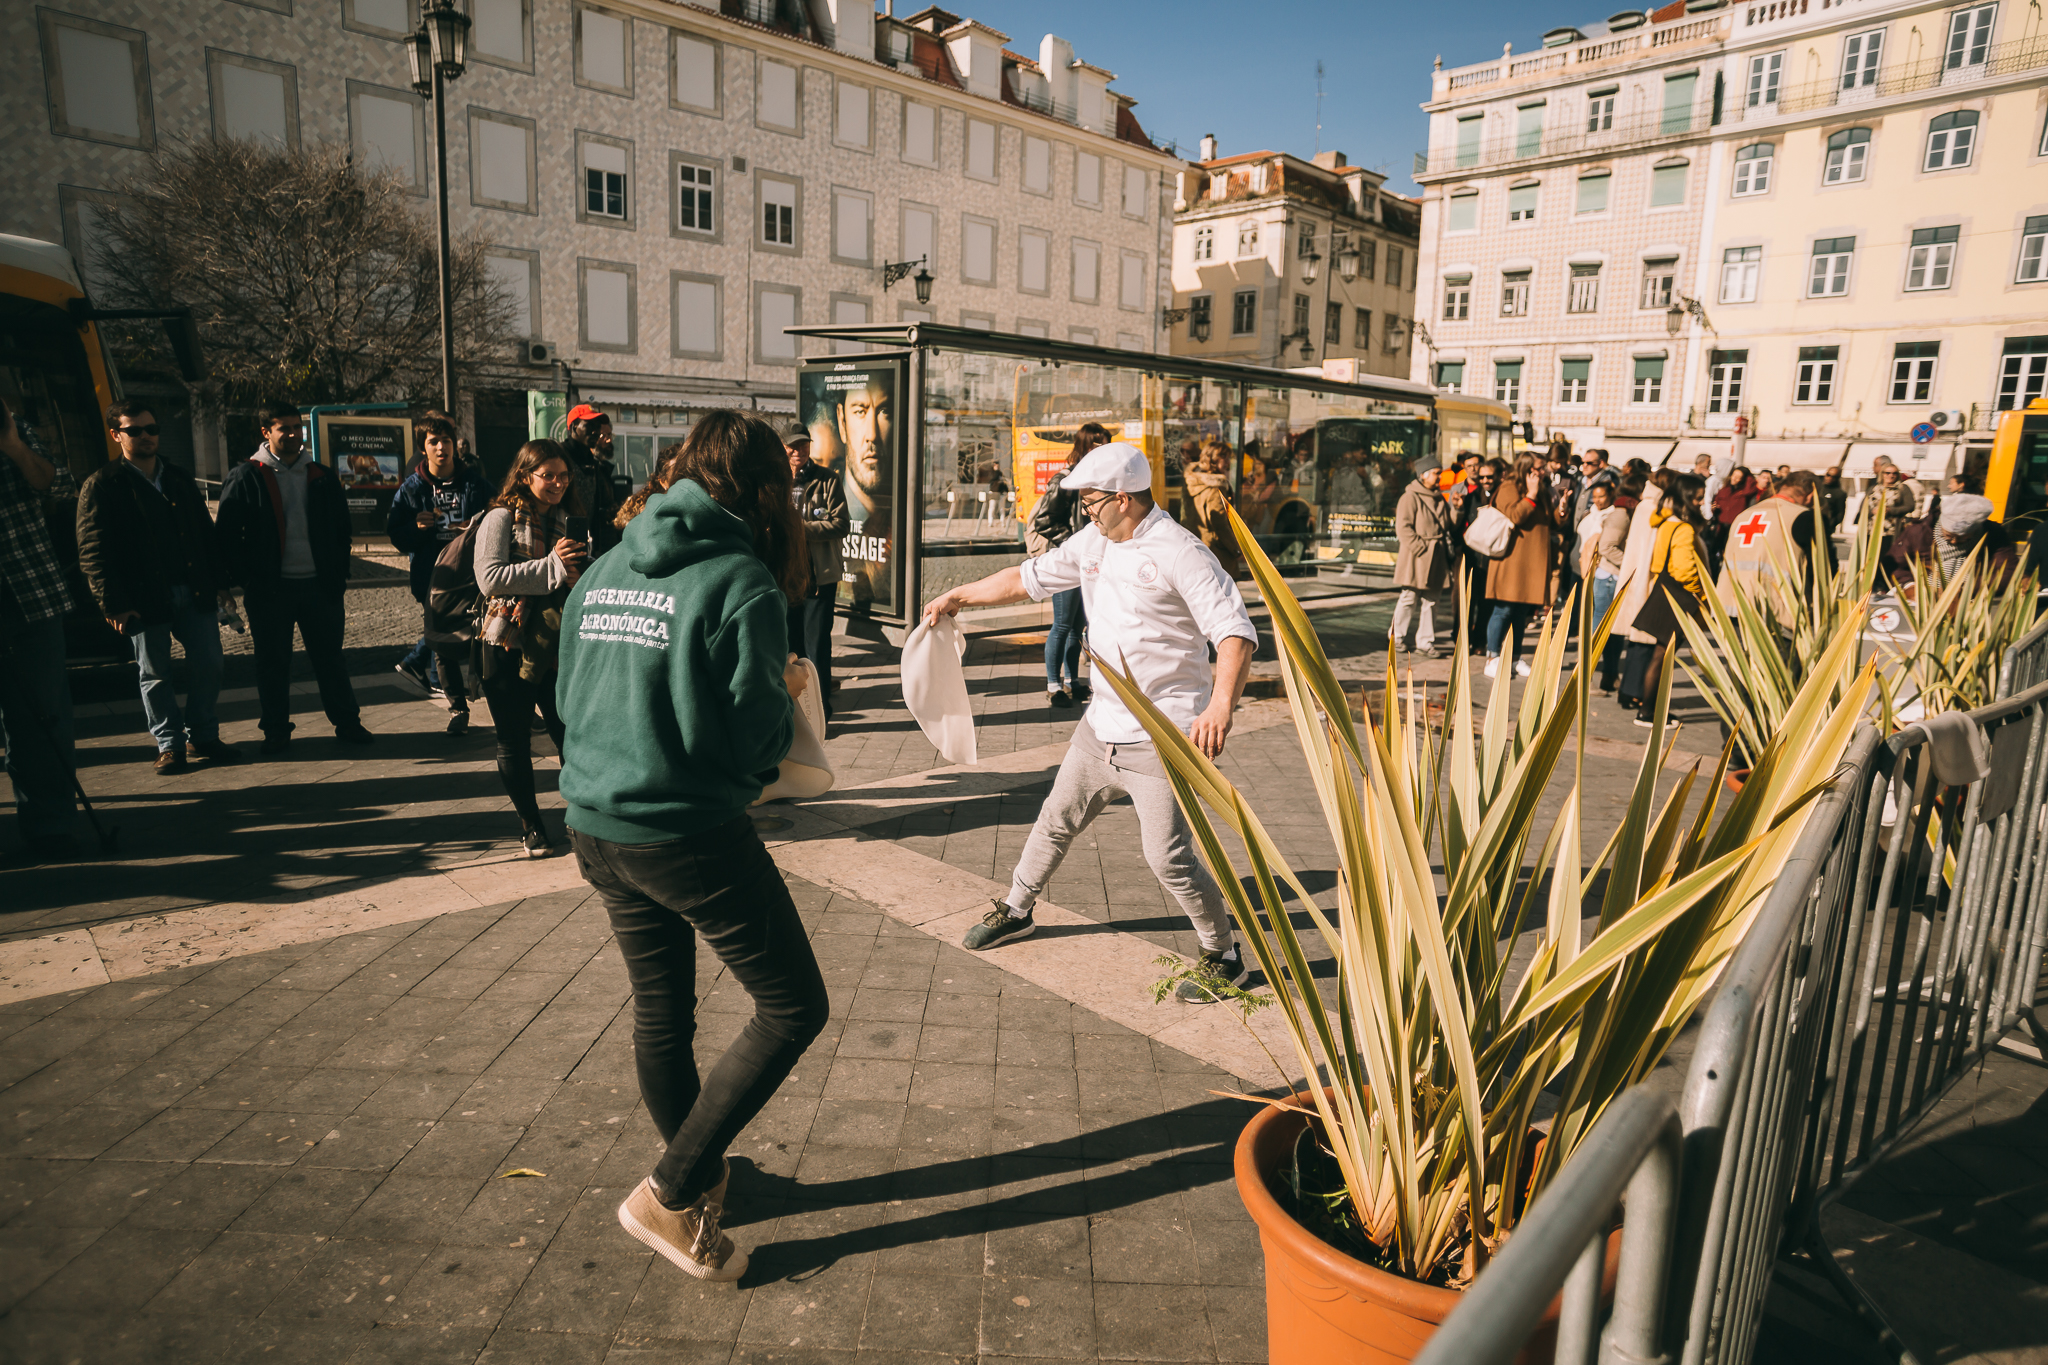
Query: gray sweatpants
x,y
1091,776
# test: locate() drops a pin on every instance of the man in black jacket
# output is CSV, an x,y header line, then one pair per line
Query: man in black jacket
x,y
821,505
147,549
589,449
284,535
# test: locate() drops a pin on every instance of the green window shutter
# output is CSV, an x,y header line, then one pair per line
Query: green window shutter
x,y
1578,369
1678,98
1593,193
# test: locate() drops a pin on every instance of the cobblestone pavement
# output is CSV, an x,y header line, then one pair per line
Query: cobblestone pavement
x,y
296,1153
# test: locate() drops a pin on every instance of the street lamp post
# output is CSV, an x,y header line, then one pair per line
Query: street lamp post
x,y
439,51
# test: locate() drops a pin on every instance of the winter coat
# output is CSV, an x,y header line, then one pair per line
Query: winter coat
x,y
1422,529
821,505
596,495
135,544
1523,574
251,527
415,495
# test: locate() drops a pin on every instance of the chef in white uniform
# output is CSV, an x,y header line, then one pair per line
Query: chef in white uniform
x,y
1157,601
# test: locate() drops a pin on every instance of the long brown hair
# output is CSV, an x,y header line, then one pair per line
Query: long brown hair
x,y
742,464
1089,436
514,494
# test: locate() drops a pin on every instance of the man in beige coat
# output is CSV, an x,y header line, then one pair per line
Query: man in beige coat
x,y
1422,570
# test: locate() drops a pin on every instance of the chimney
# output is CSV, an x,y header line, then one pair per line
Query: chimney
x,y
1331,161
978,55
1208,146
1056,59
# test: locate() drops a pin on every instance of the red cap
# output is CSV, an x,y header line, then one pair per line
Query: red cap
x,y
583,412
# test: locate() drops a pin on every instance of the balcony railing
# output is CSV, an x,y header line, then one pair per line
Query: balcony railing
x,y
1582,54
1627,133
1906,78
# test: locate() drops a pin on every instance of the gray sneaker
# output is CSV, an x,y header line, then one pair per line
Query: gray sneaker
x,y
1000,925
1213,972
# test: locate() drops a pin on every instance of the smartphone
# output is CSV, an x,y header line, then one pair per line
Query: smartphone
x,y
579,528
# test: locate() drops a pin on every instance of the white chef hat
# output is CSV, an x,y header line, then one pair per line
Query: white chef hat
x,y
1118,467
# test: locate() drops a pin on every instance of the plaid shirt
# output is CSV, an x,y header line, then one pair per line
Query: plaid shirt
x,y
28,563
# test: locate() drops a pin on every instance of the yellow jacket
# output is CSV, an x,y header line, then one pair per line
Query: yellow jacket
x,y
1677,552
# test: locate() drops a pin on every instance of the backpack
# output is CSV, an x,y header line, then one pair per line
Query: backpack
x,y
454,601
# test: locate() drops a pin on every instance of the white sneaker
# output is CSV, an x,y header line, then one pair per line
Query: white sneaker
x,y
1492,669
1521,668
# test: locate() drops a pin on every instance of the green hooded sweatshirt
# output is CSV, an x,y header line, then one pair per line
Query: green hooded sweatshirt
x,y
670,688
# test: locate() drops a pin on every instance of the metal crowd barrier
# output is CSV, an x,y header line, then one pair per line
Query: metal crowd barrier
x,y
1903,939
2026,662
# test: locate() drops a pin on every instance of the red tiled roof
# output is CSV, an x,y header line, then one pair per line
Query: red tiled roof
x,y
1674,10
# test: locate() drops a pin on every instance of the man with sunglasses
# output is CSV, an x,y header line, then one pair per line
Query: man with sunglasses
x,y
1157,602
148,551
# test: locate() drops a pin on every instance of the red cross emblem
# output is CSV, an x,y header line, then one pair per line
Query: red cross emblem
x,y
1749,530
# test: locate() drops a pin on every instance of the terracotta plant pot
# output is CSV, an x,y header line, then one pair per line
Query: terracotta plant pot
x,y
1734,780
1326,1308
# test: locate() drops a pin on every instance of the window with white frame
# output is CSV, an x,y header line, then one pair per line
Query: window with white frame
x,y
1740,266
1248,237
1529,129
1600,110
1848,156
1130,291
2033,267
1457,298
1668,183
1647,386
1244,312
1931,257
604,180
1034,250
1753,169
853,226
1727,371
1765,71
1861,53
1136,192
1514,293
853,114
1813,383
1828,274
1085,262
978,250
2022,372
1522,202
694,198
1467,144
1507,382
920,134
1592,196
1037,165
778,212
1575,379
981,150
1583,295
1088,179
1660,275
1205,243
1913,365
1969,36
1464,212
1951,138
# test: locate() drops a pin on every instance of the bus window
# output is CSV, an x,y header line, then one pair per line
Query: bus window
x,y
48,385
1461,433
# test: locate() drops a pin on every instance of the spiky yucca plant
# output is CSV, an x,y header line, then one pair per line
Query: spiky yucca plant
x,y
1434,1059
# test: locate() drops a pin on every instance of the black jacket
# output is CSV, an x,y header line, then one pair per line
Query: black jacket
x,y
416,494
596,494
821,504
251,527
135,544
1057,516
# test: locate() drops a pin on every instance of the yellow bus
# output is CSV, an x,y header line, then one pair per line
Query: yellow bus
x,y
54,373
2016,479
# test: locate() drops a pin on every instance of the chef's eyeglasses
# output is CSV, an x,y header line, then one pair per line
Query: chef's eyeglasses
x,y
1089,506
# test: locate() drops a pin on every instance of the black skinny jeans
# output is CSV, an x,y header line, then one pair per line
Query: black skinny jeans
x,y
721,884
513,701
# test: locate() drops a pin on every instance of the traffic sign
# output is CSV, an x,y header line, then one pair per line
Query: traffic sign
x,y
1923,432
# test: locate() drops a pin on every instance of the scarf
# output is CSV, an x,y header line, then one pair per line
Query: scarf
x,y
532,626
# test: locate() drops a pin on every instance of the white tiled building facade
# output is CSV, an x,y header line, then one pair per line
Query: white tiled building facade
x,y
1854,193
665,187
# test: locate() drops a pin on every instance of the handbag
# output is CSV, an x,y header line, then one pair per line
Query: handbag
x,y
805,771
1658,616
453,596
1491,533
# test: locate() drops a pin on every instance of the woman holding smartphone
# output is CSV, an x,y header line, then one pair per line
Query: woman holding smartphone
x,y
676,686
530,548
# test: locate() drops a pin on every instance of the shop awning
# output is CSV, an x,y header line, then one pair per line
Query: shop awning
x,y
1810,455
1930,461
1692,447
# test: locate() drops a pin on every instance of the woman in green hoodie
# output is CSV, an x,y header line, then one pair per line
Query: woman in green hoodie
x,y
675,694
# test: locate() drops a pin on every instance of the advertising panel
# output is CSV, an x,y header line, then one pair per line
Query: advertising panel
x,y
370,454
854,410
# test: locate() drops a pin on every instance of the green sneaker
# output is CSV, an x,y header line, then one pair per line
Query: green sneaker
x,y
1213,972
999,926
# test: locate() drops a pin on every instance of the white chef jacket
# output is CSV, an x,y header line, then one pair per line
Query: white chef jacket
x,y
1155,603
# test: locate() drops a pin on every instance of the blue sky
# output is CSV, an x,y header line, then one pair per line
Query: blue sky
x,y
1247,73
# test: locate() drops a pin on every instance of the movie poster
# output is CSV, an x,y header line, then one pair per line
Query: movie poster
x,y
854,411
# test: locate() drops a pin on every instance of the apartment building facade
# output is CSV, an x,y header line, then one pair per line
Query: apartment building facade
x,y
1290,263
1824,221
665,187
